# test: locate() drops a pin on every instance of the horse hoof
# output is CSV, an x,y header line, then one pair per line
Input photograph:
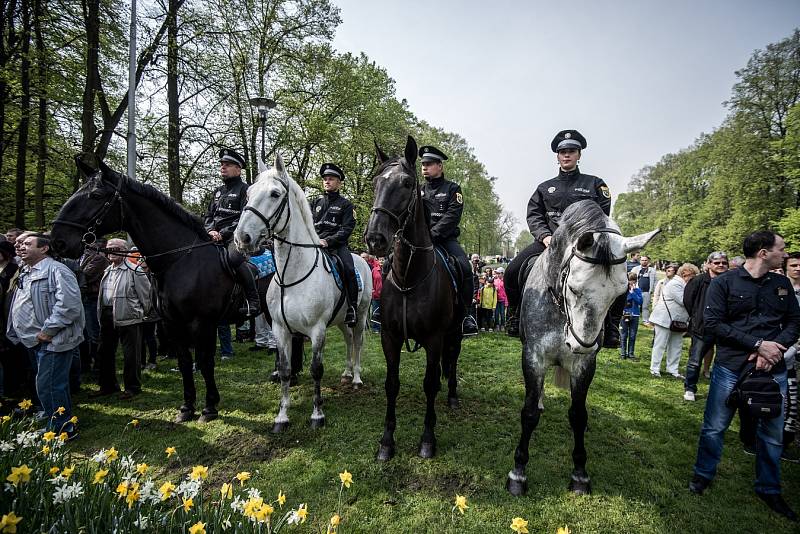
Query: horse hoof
x,y
184,416
385,453
580,487
207,417
317,423
453,402
357,385
517,488
279,428
427,450
345,380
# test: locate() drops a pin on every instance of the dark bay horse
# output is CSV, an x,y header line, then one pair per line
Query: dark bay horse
x,y
418,298
565,300
195,292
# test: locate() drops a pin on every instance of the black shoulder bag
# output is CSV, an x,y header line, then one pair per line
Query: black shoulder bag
x,y
675,326
757,393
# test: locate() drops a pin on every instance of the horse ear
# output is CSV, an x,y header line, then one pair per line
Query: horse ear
x,y
279,164
585,241
638,242
411,151
261,165
82,161
382,157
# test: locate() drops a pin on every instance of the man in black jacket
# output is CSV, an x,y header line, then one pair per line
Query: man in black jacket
x,y
694,299
221,219
334,221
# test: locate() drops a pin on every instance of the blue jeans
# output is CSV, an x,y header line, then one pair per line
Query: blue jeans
x,y
91,330
697,350
627,334
224,332
500,314
375,304
717,418
52,385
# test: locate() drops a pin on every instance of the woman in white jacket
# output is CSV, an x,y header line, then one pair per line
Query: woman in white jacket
x,y
670,308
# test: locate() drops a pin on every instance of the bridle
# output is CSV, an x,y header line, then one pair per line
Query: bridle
x,y
99,214
560,299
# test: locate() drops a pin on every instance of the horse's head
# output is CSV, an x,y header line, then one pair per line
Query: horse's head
x,y
267,209
588,271
94,210
395,185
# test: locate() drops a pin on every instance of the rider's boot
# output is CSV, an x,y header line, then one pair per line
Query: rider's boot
x,y
350,316
245,276
468,326
512,322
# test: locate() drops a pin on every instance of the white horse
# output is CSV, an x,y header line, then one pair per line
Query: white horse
x,y
303,296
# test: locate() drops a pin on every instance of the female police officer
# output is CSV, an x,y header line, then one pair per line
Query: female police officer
x,y
545,207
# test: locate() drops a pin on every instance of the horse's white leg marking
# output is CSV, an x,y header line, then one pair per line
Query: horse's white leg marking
x,y
347,334
284,341
317,345
357,342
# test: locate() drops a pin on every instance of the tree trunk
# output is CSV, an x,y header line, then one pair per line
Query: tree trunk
x,y
173,133
7,37
91,21
41,82
25,109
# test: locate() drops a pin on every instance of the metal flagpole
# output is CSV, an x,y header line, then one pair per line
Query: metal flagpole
x,y
132,96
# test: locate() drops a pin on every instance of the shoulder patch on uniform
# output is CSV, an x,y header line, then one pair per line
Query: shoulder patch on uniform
x,y
782,291
459,198
318,208
551,189
605,191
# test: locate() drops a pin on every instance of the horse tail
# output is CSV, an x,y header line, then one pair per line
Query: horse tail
x,y
562,377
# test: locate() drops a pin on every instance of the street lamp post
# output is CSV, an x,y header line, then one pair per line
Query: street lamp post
x,y
263,105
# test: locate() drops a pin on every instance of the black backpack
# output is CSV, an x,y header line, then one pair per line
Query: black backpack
x,y
757,393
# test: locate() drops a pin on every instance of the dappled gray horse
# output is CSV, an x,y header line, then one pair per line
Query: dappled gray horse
x,y
565,300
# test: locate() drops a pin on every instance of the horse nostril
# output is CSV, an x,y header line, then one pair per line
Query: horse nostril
x,y
245,238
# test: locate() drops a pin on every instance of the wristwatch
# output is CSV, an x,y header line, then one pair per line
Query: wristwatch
x,y
758,344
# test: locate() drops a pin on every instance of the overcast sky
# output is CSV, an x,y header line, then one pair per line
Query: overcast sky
x,y
639,79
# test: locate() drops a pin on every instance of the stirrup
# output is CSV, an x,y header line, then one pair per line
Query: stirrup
x,y
248,310
350,316
473,330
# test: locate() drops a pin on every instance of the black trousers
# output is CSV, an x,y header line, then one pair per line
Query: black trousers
x,y
511,278
468,284
130,337
349,275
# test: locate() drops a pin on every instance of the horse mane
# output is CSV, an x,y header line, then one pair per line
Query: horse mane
x,y
169,205
577,219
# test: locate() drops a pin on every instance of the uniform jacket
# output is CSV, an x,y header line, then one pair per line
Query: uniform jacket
x,y
334,218
553,196
670,305
443,207
226,207
133,295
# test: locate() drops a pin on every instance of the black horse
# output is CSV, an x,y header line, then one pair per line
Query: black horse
x,y
418,300
196,292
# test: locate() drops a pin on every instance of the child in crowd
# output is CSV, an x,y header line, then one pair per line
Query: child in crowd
x,y
502,300
487,298
629,325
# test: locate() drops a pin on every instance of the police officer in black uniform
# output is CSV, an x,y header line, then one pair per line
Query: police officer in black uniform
x,y
334,221
444,205
545,207
221,219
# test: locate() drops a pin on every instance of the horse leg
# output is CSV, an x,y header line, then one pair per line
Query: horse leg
x,y
284,342
356,345
205,361
431,384
391,351
517,481
347,374
317,345
452,352
186,411
578,417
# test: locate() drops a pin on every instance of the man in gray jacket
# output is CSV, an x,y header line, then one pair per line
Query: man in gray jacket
x,y
123,304
47,318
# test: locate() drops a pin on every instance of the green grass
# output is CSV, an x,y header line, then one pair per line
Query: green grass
x,y
641,443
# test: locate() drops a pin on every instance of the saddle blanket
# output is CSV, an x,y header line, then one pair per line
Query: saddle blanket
x,y
338,278
265,264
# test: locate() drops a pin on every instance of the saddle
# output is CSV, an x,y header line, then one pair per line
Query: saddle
x,y
451,265
334,266
526,270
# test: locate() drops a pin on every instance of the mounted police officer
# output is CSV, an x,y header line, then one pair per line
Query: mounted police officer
x,y
444,205
221,219
545,207
334,221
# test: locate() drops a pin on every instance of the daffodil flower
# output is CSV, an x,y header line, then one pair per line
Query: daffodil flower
x,y
122,488
346,478
142,468
99,476
48,436
133,495
460,503
74,419
198,472
134,423
241,477
198,528
112,454
9,523
53,470
19,474
63,437
335,520
25,404
226,491
187,504
45,450
519,525
60,410
302,512
170,451
281,498
166,490
67,472
563,530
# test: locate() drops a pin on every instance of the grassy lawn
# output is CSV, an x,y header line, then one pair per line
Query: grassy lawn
x,y
641,442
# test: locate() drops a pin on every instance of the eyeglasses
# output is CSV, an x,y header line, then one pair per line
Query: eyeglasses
x,y
719,263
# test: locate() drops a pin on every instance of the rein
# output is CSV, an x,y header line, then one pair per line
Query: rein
x,y
560,300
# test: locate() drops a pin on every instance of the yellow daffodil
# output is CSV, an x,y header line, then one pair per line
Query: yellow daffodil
x,y
53,470
19,474
133,495
563,530
198,528
67,472
112,454
45,450
60,410
99,476
281,498
346,478
170,451
25,404
519,525
335,520
135,423
252,506
63,437
122,488
166,490
9,523
48,436
6,418
226,491
241,477
187,504
461,503
198,472
74,419
142,468
302,512
264,512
